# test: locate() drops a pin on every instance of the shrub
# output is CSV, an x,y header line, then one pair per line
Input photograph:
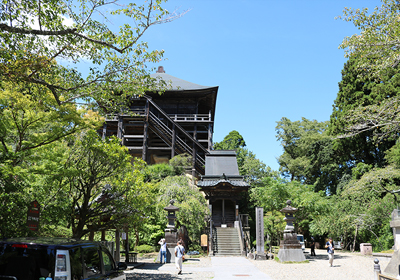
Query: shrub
x,y
144,249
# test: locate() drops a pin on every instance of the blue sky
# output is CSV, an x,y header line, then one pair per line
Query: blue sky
x,y
270,59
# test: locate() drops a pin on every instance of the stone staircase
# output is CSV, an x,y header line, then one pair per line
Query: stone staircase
x,y
227,242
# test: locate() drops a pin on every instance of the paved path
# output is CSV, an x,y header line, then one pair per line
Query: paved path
x,y
217,268
226,268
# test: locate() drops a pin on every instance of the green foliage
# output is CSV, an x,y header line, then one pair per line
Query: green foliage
x,y
144,249
159,171
36,34
192,204
232,141
181,163
378,41
360,169
358,112
273,195
308,155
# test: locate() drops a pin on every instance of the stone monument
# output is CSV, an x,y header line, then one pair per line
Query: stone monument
x,y
171,235
260,254
290,248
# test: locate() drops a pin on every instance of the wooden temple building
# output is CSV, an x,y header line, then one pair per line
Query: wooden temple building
x,y
181,120
222,186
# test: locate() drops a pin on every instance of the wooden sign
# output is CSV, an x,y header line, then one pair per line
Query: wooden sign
x,y
33,216
204,241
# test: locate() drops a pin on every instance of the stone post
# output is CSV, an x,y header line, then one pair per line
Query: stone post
x,y
377,269
290,248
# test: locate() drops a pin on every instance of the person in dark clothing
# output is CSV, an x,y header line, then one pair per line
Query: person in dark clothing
x,y
312,246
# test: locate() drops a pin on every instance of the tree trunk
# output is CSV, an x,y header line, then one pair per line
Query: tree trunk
x,y
355,237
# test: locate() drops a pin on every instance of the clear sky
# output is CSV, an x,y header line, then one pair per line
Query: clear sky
x,y
270,59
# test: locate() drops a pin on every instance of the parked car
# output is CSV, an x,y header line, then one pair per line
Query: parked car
x,y
338,245
300,237
58,259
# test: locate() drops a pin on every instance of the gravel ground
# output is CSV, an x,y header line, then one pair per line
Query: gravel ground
x,y
346,266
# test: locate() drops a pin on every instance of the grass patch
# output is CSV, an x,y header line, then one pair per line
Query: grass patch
x,y
277,259
387,252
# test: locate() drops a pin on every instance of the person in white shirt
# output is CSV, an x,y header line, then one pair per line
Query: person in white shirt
x,y
179,252
163,250
331,250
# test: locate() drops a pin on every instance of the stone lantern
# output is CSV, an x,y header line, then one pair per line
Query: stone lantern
x,y
171,209
171,236
290,248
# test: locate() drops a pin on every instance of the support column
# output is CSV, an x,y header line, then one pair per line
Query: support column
x,y
210,144
117,249
103,136
126,246
223,211
194,151
120,129
145,133
173,141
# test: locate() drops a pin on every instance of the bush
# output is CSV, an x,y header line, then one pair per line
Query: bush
x,y
144,249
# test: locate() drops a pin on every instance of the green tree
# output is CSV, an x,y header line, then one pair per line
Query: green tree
x,y
377,45
359,113
249,166
192,205
309,154
275,192
89,183
35,34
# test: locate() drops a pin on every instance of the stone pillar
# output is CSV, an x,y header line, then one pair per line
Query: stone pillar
x,y
260,254
290,248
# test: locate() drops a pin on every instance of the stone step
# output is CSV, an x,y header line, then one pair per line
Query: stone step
x,y
227,242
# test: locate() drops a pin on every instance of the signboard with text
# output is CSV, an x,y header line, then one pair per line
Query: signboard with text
x,y
260,230
33,216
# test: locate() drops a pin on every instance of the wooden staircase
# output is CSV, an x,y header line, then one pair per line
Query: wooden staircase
x,y
227,242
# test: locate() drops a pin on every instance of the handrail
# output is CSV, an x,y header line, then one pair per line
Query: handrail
x,y
246,240
177,125
169,131
242,237
180,143
190,117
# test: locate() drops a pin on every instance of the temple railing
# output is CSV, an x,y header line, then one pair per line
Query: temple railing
x,y
244,237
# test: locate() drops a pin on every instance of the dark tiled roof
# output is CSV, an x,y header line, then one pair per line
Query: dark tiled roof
x,y
178,84
221,162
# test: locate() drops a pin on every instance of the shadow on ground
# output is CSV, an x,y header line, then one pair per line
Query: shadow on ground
x,y
324,257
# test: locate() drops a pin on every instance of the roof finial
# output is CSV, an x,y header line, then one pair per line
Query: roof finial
x,y
160,69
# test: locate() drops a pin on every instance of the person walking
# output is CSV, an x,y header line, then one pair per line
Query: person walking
x,y
179,252
163,250
330,249
312,246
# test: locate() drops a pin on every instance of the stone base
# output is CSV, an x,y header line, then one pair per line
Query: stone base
x,y
170,255
291,255
392,269
261,257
